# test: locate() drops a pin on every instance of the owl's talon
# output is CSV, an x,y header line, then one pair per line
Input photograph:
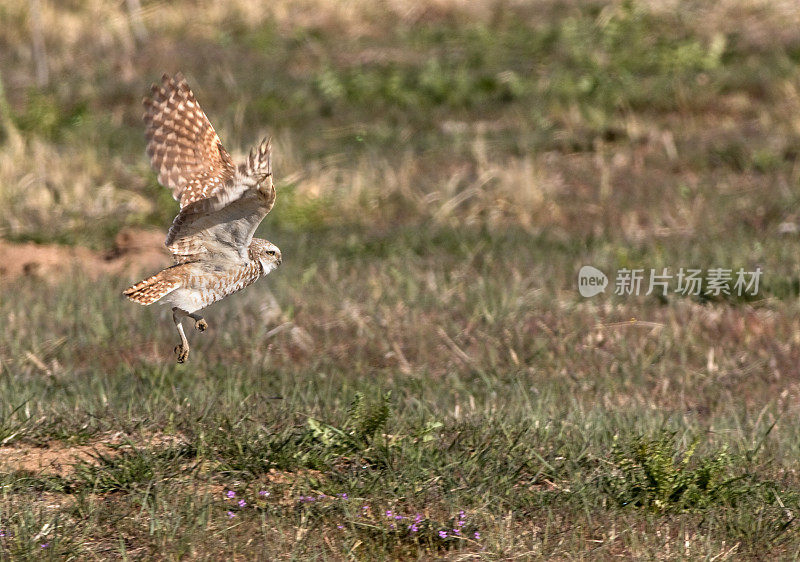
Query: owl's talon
x,y
201,325
181,352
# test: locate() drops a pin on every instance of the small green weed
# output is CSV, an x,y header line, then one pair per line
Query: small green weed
x,y
659,474
364,421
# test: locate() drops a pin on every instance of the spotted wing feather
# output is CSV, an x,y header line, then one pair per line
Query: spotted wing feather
x,y
184,149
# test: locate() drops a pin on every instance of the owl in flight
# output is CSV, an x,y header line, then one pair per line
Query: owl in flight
x,y
222,204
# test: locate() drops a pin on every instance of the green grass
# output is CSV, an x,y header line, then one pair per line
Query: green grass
x,y
508,404
444,171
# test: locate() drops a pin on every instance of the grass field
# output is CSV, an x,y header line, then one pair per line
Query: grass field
x,y
420,379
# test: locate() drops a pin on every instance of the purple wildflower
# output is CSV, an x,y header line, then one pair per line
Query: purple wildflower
x,y
343,496
456,531
442,534
231,515
242,503
231,494
340,526
391,526
477,536
399,517
45,544
389,513
263,493
413,528
417,518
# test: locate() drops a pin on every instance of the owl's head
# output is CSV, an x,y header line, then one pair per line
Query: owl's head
x,y
267,254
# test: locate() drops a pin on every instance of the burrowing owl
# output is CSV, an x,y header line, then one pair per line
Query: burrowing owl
x,y
211,239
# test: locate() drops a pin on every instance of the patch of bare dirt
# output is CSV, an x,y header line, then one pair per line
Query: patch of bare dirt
x,y
134,250
55,459
60,459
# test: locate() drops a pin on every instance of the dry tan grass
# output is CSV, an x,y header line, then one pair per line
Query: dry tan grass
x,y
47,182
757,23
110,28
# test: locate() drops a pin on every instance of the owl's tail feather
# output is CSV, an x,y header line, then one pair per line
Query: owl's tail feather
x,y
151,289
259,162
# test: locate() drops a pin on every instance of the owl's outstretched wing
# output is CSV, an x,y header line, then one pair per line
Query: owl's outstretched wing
x,y
184,149
221,206
222,225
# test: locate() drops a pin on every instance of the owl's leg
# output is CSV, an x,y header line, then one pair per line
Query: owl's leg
x,y
199,322
182,349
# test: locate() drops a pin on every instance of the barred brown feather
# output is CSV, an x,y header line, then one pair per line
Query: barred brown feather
x,y
259,162
151,289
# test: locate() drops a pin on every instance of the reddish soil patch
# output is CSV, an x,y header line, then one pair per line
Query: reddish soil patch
x,y
59,459
55,459
134,250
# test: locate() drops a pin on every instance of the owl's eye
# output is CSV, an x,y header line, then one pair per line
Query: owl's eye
x,y
270,252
